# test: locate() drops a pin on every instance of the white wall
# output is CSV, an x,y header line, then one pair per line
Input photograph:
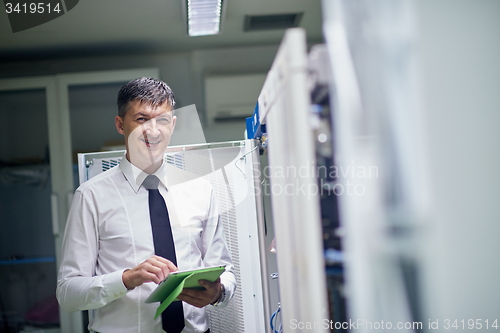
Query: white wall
x,y
460,72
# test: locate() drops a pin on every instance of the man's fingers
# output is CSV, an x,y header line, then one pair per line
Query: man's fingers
x,y
150,273
158,273
191,299
150,277
137,276
154,269
160,259
209,285
201,298
165,261
214,288
192,292
166,265
171,266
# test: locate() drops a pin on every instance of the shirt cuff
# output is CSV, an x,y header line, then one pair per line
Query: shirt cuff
x,y
114,285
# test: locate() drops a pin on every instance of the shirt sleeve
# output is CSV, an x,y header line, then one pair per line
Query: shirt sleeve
x,y
216,252
77,287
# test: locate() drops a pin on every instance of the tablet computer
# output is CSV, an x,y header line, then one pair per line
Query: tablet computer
x,y
189,279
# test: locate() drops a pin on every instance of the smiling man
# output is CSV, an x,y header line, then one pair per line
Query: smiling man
x,y
147,129
128,229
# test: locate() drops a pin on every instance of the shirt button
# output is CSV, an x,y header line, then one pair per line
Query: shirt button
x,y
116,295
121,292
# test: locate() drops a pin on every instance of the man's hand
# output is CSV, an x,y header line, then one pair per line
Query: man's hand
x,y
201,298
154,269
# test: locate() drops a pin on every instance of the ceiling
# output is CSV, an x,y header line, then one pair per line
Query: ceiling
x,y
107,27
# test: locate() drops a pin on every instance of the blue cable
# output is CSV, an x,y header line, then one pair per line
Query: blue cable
x,y
273,316
271,322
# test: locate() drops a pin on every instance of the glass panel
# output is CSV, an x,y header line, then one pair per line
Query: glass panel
x,y
92,113
27,251
92,110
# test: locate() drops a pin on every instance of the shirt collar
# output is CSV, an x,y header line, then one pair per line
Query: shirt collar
x,y
136,176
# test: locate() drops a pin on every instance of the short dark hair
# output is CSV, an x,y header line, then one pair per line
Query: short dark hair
x,y
147,90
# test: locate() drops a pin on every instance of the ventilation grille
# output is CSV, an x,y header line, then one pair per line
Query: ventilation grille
x,y
108,164
231,318
270,22
176,160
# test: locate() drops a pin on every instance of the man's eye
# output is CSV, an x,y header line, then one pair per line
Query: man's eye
x,y
163,120
141,119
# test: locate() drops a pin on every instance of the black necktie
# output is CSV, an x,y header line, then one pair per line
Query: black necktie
x,y
173,316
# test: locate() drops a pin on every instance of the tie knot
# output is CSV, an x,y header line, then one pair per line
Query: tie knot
x,y
151,182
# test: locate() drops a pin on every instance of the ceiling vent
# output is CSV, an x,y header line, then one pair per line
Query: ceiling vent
x,y
269,22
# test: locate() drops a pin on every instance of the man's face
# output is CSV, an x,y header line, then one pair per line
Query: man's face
x,y
147,132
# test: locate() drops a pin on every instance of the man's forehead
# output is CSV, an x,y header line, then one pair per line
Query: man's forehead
x,y
152,111
143,107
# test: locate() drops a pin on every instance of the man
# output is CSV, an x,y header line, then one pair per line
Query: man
x,y
110,262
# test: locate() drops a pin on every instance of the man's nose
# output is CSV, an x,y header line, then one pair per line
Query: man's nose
x,y
152,128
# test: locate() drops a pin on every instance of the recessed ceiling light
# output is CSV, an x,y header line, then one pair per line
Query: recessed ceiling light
x,y
204,17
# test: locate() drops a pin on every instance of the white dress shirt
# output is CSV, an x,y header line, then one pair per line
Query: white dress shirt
x,y
109,230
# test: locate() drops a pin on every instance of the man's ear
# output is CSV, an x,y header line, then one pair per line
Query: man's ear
x,y
174,121
119,124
